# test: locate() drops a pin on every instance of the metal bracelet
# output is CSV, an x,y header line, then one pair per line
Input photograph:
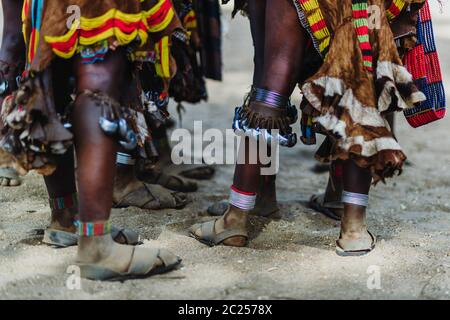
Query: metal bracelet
x,y
125,159
269,97
120,129
358,199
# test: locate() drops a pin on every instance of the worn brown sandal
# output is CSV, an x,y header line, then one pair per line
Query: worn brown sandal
x,y
211,238
355,248
9,178
63,239
142,265
153,197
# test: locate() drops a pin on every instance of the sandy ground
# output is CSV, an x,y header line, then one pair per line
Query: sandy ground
x,y
289,258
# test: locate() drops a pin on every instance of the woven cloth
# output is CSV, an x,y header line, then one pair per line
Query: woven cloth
x,y
423,63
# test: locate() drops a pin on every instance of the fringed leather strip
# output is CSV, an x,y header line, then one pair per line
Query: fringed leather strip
x,y
258,120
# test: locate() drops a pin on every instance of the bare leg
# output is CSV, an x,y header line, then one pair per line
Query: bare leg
x,y
59,185
333,192
96,155
353,225
283,54
12,57
266,201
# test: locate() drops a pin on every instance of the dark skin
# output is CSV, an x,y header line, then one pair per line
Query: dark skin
x,y
62,182
12,55
281,63
96,158
266,190
96,151
12,48
95,154
283,54
335,184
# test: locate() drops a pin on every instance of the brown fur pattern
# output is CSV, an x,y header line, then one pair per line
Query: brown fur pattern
x,y
349,103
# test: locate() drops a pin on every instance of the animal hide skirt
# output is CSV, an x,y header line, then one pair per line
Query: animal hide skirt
x,y
34,123
359,82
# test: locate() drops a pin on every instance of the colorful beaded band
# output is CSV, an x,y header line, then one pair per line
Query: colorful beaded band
x,y
242,200
66,202
361,25
313,20
395,9
92,229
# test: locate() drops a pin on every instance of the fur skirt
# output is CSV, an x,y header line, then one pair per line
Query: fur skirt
x,y
361,79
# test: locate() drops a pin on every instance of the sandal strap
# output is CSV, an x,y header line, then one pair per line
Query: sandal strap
x,y
230,233
143,260
8,173
353,246
140,197
168,258
165,177
209,234
130,236
164,197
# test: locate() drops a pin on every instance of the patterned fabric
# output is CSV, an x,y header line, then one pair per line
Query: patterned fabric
x,y
47,30
312,19
394,10
35,131
361,25
423,63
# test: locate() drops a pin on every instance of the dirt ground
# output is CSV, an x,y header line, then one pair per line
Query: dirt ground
x,y
289,258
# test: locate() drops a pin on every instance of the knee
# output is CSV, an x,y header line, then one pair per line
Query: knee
x,y
107,77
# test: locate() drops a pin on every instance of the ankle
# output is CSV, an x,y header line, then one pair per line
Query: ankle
x,y
64,219
95,242
64,211
235,216
93,249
